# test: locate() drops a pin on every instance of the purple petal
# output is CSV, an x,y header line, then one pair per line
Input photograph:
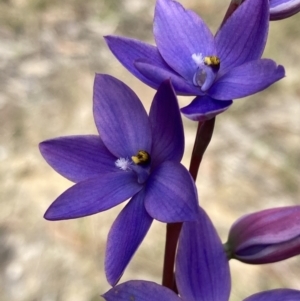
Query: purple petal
x,y
120,117
171,194
268,226
243,36
127,51
94,195
281,9
179,34
158,75
247,79
202,269
203,108
276,295
125,236
78,158
167,128
137,290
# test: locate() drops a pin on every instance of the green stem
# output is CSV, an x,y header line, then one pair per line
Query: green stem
x,y
203,137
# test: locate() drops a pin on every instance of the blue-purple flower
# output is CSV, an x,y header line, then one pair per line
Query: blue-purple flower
x,y
216,69
202,272
135,157
281,9
266,236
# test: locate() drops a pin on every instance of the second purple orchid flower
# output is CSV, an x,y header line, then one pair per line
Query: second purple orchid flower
x,y
215,69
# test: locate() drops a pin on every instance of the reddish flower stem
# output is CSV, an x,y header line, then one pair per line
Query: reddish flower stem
x,y
203,137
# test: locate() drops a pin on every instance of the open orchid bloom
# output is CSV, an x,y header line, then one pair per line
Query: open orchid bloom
x,y
136,156
202,272
266,236
215,69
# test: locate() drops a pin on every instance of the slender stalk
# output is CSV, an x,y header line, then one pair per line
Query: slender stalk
x,y
173,231
203,137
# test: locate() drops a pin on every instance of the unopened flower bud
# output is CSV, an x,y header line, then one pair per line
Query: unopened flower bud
x,y
266,236
281,9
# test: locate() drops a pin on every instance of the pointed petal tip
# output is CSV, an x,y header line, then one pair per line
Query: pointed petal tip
x,y
51,216
112,280
44,147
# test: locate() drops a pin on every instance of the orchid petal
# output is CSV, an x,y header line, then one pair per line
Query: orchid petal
x,y
138,290
125,236
275,295
78,158
203,108
167,128
202,269
247,79
120,117
94,195
180,33
243,36
158,75
281,9
127,51
171,194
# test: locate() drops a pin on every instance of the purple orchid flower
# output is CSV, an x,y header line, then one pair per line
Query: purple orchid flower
x,y
216,69
135,156
202,272
281,9
266,236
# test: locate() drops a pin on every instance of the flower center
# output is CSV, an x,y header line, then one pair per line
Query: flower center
x,y
141,158
139,164
207,69
212,61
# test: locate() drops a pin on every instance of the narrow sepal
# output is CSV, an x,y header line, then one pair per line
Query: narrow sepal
x,y
78,158
125,236
180,33
244,35
167,127
128,51
120,117
202,269
94,195
247,79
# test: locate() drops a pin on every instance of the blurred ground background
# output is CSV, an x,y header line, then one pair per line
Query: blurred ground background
x,y
49,53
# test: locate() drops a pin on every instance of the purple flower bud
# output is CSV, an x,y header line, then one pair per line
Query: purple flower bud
x,y
266,236
281,9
